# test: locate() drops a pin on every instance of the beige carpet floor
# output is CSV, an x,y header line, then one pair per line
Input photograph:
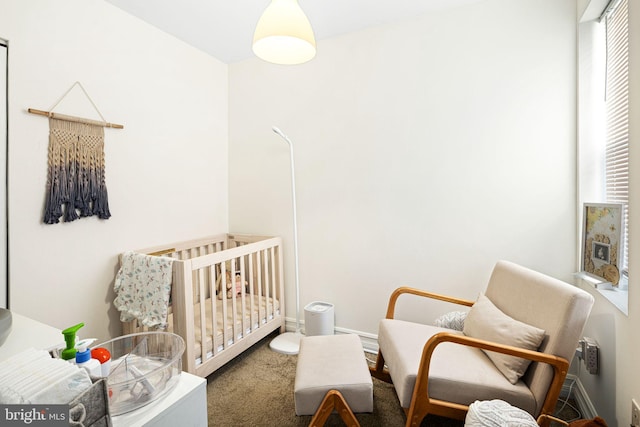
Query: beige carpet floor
x,y
256,389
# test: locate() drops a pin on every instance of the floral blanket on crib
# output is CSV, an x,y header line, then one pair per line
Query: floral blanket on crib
x,y
143,288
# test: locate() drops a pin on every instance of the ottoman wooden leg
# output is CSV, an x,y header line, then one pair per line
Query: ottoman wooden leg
x,y
334,400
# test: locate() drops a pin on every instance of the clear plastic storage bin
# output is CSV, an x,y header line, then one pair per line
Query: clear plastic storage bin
x,y
144,367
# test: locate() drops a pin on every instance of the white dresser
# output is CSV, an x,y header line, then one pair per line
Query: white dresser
x,y
184,406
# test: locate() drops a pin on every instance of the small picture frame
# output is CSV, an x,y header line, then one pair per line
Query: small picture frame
x,y
600,252
602,245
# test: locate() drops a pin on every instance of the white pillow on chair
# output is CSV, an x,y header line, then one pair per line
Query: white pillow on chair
x,y
485,321
452,320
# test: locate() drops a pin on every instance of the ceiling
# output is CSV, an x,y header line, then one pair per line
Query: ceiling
x,y
224,28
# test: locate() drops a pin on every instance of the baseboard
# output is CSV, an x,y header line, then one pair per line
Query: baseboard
x,y
369,341
585,406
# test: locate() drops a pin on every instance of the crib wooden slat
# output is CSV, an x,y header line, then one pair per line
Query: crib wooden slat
x,y
223,292
267,282
280,296
214,311
261,311
203,315
234,308
183,318
243,301
272,270
253,319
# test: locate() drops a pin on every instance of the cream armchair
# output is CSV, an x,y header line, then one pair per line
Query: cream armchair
x,y
522,313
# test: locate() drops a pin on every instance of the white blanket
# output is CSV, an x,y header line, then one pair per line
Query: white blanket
x,y
497,413
143,287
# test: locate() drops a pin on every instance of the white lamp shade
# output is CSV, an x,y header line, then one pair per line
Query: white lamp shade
x,y
284,35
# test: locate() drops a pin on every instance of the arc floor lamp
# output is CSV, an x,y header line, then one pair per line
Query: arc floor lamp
x,y
289,342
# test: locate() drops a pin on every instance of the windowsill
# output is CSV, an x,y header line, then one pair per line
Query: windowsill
x,y
618,296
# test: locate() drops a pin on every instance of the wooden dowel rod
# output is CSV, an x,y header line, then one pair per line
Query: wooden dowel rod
x,y
162,252
74,119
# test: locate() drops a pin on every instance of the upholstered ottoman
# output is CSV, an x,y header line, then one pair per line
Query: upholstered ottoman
x,y
331,373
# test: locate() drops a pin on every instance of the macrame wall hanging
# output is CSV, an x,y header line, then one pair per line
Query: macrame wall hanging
x,y
76,186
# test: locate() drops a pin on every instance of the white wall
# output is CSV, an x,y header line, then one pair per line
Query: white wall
x,y
425,151
166,171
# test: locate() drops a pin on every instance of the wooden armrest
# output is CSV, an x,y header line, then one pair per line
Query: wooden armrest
x,y
560,365
421,293
545,418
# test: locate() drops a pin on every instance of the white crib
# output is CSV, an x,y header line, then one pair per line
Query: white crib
x,y
233,320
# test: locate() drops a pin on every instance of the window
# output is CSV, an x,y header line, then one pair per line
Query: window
x,y
603,120
617,112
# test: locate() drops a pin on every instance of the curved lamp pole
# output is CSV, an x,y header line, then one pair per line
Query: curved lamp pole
x,y
289,342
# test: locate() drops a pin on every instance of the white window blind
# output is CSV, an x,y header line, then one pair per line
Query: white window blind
x,y
617,113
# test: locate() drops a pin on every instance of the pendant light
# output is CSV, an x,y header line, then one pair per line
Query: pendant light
x,y
284,35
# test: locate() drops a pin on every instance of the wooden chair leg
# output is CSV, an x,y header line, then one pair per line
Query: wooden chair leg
x,y
544,419
334,400
378,371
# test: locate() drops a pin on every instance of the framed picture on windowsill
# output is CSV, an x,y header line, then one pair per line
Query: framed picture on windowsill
x,y
602,231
